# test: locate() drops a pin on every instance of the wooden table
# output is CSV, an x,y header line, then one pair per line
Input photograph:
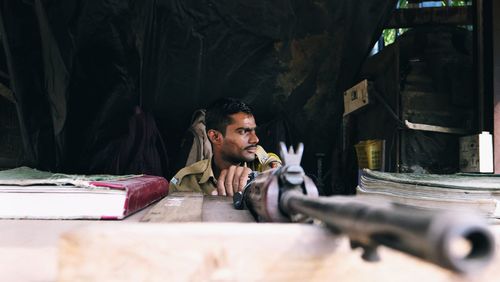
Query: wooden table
x,y
194,207
29,248
158,244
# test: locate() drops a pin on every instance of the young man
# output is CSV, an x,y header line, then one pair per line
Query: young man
x,y
230,128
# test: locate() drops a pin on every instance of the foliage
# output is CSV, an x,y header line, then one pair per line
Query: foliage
x,y
391,34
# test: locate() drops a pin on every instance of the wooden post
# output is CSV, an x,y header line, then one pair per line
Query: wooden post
x,y
495,33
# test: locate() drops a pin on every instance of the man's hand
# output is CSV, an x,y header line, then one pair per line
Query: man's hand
x,y
232,180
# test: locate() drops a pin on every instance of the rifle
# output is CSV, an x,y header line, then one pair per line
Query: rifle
x,y
457,241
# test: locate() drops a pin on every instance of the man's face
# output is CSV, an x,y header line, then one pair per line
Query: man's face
x,y
240,141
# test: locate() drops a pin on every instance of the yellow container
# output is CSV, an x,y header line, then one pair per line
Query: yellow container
x,y
370,153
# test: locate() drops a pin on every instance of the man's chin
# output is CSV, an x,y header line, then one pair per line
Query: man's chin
x,y
249,158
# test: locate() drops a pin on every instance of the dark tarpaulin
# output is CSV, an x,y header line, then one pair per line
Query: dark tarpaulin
x,y
80,68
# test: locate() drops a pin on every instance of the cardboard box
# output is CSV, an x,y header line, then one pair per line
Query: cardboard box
x,y
356,97
476,153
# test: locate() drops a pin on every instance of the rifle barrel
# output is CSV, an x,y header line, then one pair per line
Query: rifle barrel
x,y
434,236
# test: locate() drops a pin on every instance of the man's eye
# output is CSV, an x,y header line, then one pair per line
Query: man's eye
x,y
244,131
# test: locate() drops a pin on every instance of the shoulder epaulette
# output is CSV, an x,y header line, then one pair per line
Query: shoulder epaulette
x,y
197,167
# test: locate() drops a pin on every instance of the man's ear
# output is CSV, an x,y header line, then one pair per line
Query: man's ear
x,y
214,136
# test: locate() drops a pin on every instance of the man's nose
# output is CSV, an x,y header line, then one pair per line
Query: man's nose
x,y
253,138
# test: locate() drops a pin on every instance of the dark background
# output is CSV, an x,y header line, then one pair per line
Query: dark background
x,y
110,86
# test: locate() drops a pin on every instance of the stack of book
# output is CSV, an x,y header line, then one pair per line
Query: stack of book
x,y
27,193
478,192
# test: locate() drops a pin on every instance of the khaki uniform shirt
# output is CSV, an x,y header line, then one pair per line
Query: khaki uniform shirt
x,y
199,177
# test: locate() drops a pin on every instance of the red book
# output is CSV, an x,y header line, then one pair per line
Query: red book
x,y
32,194
140,192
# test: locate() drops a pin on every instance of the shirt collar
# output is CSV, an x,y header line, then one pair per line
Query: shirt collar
x,y
208,173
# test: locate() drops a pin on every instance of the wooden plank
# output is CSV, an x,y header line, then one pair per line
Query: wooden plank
x,y
26,255
413,17
221,209
435,128
234,252
194,207
177,207
496,83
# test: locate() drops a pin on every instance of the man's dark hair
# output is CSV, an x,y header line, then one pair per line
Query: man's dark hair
x,y
218,114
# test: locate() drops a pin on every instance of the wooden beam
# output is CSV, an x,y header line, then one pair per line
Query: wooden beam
x,y
413,17
495,34
436,128
234,252
484,118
